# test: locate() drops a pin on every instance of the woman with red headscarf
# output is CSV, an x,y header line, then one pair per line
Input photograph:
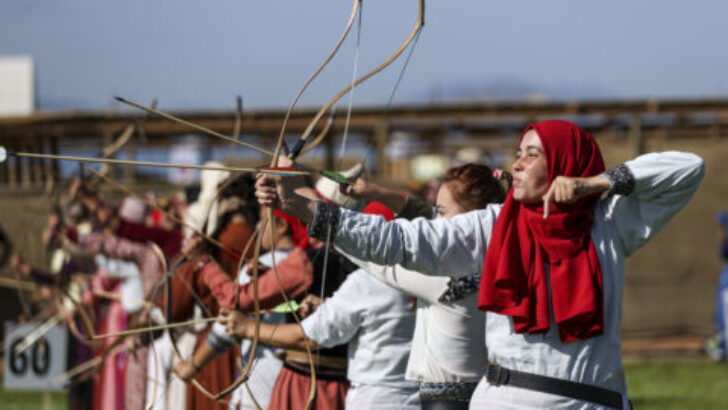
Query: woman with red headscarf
x,y
553,277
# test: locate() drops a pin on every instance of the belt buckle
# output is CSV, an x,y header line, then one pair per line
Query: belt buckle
x,y
496,375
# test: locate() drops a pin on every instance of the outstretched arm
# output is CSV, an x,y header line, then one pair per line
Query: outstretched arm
x,y
648,191
295,273
441,246
187,369
289,336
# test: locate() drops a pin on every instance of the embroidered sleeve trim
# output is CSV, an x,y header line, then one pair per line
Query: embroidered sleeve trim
x,y
622,179
460,288
326,215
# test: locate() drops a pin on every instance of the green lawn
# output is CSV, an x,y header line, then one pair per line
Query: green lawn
x,y
17,400
677,384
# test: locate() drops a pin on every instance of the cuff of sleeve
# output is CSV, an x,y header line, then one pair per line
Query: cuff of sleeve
x,y
309,326
325,221
622,179
219,343
460,288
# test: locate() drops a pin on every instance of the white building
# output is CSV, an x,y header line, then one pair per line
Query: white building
x,y
17,85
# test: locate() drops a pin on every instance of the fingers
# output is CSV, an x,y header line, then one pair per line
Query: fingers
x,y
547,200
265,190
563,190
561,193
284,162
303,310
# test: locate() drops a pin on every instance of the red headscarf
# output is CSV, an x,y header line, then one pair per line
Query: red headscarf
x,y
298,228
514,280
378,208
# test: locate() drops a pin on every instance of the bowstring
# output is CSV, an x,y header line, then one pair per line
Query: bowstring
x,y
351,93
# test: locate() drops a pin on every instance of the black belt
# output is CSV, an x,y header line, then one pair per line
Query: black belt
x,y
498,375
322,372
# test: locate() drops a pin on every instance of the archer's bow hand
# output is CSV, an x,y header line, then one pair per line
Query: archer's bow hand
x,y
236,324
281,193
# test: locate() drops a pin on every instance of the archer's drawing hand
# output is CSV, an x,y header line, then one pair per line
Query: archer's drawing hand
x,y
309,304
370,191
567,190
361,188
237,324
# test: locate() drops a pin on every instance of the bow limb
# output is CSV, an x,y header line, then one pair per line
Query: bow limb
x,y
244,375
270,220
111,149
238,126
321,135
90,366
169,275
268,217
309,354
77,334
173,339
86,320
417,28
344,35
269,212
247,368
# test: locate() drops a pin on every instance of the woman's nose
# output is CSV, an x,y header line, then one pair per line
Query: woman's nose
x,y
517,166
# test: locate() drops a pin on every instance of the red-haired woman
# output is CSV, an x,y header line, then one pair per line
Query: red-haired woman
x,y
553,277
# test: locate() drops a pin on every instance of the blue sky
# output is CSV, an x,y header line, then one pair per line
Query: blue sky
x,y
201,54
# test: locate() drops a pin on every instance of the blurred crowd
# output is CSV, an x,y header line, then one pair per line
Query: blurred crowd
x,y
148,261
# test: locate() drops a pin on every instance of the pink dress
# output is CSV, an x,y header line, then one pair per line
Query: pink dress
x,y
151,267
109,381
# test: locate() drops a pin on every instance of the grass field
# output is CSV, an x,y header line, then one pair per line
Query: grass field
x,y
14,400
688,383
677,384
